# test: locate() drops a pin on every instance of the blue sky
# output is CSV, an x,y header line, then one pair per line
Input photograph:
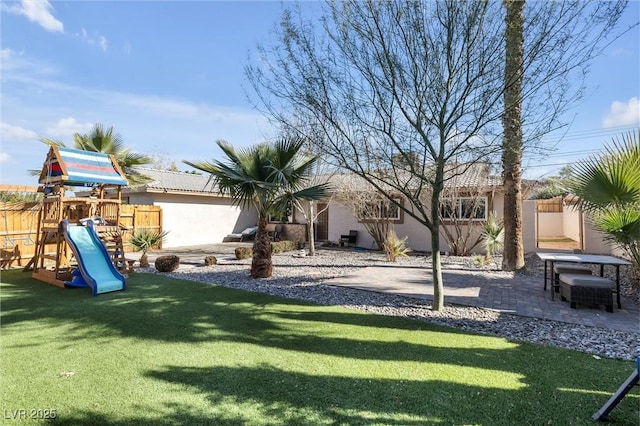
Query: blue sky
x,y
169,77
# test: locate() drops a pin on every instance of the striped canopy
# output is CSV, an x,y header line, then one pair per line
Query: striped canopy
x,y
80,168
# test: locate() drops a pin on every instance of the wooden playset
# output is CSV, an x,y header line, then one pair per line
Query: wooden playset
x,y
65,167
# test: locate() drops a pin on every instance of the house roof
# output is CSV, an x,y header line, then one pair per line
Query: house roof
x,y
77,167
180,182
170,181
474,176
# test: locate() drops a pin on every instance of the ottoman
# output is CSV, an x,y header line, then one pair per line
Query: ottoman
x,y
587,289
565,268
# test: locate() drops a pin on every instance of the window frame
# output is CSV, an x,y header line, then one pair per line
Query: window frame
x,y
397,219
452,216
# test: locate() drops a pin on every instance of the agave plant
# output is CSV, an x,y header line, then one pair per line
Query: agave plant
x,y
144,240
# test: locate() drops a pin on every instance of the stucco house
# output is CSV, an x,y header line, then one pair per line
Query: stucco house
x,y
191,212
468,200
194,214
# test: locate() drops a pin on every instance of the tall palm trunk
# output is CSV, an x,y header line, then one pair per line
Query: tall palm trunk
x,y
261,265
513,256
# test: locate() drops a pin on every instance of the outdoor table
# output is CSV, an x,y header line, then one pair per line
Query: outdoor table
x,y
596,259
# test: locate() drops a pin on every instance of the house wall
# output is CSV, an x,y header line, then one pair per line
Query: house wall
x,y
341,221
197,219
594,241
571,219
550,225
529,226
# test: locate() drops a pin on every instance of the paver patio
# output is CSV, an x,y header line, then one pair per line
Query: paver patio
x,y
515,294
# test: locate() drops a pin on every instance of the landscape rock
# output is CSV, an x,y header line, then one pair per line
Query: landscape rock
x,y
167,263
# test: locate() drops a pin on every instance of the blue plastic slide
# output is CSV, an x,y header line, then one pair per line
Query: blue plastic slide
x,y
95,266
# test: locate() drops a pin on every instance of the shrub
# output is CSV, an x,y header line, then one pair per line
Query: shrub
x,y
481,261
210,260
287,245
329,244
167,263
276,247
395,247
243,253
492,236
144,239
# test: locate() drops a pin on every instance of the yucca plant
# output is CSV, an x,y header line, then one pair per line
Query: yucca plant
x,y
144,240
492,237
395,247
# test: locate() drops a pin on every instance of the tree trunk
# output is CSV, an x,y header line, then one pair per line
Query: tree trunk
x,y
144,260
436,264
261,266
513,256
310,226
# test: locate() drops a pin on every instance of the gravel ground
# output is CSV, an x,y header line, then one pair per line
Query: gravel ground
x,y
303,278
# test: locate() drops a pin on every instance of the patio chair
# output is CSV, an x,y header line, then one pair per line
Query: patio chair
x,y
347,240
277,231
247,234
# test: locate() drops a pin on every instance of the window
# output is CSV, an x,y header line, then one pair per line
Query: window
x,y
285,216
467,208
381,209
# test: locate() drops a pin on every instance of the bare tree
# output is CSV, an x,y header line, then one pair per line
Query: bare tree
x,y
423,82
319,174
393,80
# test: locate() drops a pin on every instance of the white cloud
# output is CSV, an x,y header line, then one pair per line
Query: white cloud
x,y
67,127
4,158
94,39
38,11
104,44
10,132
623,114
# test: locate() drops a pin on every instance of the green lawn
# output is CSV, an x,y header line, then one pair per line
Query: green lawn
x,y
168,351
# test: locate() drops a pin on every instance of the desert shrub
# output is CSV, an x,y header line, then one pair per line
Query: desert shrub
x,y
243,253
481,261
395,247
492,236
284,246
210,260
167,263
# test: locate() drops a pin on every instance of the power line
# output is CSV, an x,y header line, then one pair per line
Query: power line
x,y
589,133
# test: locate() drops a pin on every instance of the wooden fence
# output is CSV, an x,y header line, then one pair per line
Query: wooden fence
x,y
552,205
19,228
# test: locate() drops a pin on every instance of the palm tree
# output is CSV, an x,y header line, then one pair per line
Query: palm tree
x,y
608,187
109,142
267,176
